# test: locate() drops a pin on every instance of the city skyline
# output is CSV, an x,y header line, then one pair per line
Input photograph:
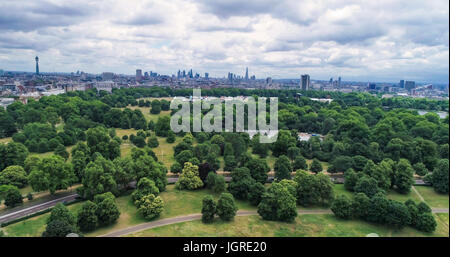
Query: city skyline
x,y
383,41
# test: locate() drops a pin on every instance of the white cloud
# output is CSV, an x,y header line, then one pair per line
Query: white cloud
x,y
370,40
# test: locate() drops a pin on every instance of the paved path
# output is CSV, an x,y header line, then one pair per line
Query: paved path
x,y
23,211
190,217
197,216
417,193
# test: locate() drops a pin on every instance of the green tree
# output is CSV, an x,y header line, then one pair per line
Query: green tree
x,y
397,215
12,197
12,154
293,152
170,137
211,180
300,163
208,209
240,183
342,207
189,178
426,222
278,204
257,190
258,169
153,142
14,175
282,168
439,178
316,166
52,174
156,107
403,177
226,207
367,185
87,218
150,206
144,187
360,205
61,151
107,210
219,185
420,169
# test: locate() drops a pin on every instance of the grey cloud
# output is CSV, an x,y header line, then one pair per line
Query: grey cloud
x,y
28,16
141,20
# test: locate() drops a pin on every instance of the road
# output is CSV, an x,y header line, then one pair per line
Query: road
x,y
190,217
23,211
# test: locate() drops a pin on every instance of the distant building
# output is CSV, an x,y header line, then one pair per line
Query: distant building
x,y
4,102
107,76
139,75
402,84
339,82
105,86
37,65
206,75
246,73
268,80
305,82
410,85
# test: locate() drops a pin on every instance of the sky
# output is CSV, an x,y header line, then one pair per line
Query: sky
x,y
357,40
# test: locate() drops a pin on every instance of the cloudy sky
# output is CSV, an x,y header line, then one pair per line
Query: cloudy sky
x,y
358,40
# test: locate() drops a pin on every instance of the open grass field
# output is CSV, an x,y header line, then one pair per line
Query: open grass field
x,y
324,225
33,227
340,189
164,151
5,140
178,203
433,198
146,112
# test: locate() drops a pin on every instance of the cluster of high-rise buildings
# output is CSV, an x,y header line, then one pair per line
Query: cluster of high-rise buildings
x,y
37,84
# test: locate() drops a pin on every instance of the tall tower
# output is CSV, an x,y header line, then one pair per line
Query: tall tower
x,y
246,73
37,65
305,82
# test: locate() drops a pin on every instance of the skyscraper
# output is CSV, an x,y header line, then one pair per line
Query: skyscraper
x,y
138,75
305,82
402,84
410,85
37,65
339,82
246,73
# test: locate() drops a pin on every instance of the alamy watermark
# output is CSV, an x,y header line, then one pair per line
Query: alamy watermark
x,y
212,120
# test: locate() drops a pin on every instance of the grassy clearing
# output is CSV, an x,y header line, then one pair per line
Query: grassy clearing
x,y
340,189
433,198
33,227
325,225
5,140
146,112
48,154
176,203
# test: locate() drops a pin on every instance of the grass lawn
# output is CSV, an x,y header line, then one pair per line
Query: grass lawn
x,y
176,203
433,198
340,189
146,112
33,227
325,225
164,151
48,154
5,140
